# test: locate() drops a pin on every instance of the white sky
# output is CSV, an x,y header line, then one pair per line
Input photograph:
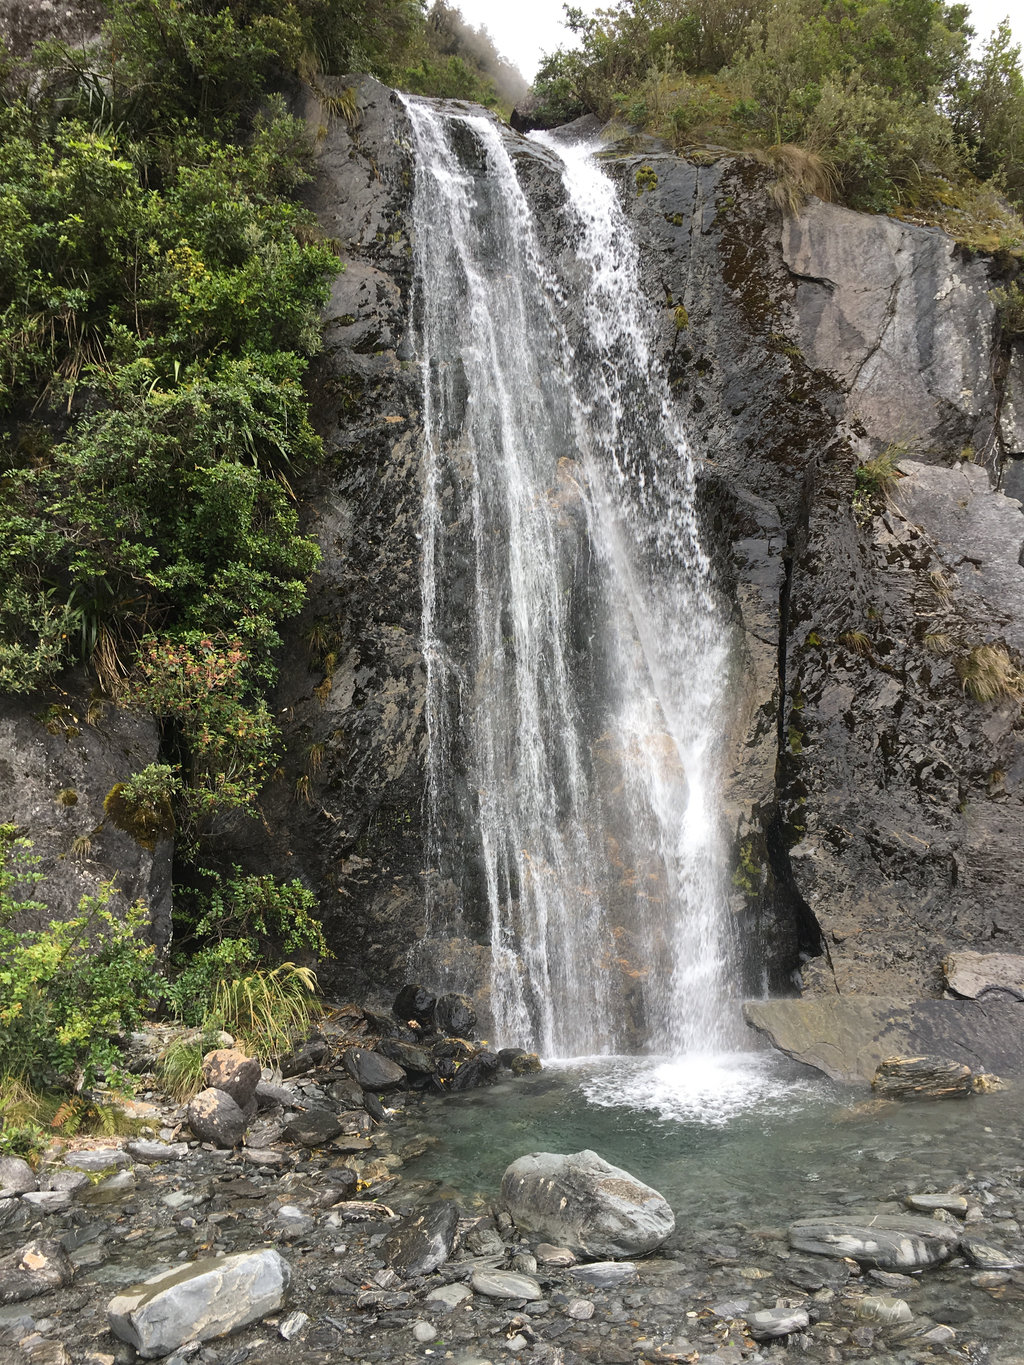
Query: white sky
x,y
523,31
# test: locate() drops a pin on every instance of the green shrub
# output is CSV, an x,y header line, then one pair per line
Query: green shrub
x,y
68,991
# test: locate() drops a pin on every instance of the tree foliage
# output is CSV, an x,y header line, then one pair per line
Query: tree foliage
x,y
885,91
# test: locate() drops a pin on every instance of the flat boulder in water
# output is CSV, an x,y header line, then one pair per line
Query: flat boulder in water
x,y
582,1202
887,1241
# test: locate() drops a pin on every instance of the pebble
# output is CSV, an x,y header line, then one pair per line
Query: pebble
x,y
879,1308
580,1309
552,1255
517,1343
293,1326
604,1274
940,1335
424,1331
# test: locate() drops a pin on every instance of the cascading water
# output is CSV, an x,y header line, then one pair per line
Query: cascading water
x,y
575,650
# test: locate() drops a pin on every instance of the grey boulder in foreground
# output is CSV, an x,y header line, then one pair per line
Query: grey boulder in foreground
x,y
885,1242
200,1301
582,1202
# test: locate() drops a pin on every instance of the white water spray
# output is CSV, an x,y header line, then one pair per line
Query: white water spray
x,y
575,649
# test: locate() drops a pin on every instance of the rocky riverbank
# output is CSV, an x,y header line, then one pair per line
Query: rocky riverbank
x,y
367,1258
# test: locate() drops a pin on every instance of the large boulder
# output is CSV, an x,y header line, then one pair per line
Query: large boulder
x,y
214,1117
230,1070
582,1202
372,1071
200,1301
424,1241
884,1242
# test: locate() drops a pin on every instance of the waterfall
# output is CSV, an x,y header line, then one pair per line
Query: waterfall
x,y
575,648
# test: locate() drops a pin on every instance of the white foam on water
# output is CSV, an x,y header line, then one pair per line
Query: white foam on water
x,y
708,1088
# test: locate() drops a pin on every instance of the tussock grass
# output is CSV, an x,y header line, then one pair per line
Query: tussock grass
x,y
267,1010
799,173
988,674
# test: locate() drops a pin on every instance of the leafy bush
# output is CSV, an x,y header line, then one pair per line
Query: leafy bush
x,y
68,991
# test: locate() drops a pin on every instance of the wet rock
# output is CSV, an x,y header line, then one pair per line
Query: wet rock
x,y
455,1015
449,1296
15,1215
848,1037
214,1117
414,1004
230,1070
769,1323
939,1335
928,1203
974,974
906,1078
879,1308
314,1128
416,1061
552,1255
887,1241
526,1064
97,1159
604,1274
372,1071
16,1176
984,1256
507,1055
579,1309
422,1243
587,1204
34,1269
199,1302
151,1152
479,1070
505,1284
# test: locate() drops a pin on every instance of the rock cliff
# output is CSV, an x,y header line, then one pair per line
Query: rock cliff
x,y
874,805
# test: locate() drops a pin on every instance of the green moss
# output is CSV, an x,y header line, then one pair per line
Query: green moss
x,y
682,318
646,180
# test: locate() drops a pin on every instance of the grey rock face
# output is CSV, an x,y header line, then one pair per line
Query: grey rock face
x,y
232,1071
48,748
586,1204
203,1300
887,1241
214,1117
903,320
372,1071
34,1269
425,1241
973,974
849,1038
987,1257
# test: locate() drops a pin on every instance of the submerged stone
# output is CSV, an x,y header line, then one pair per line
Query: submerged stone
x,y
770,1323
887,1241
585,1203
